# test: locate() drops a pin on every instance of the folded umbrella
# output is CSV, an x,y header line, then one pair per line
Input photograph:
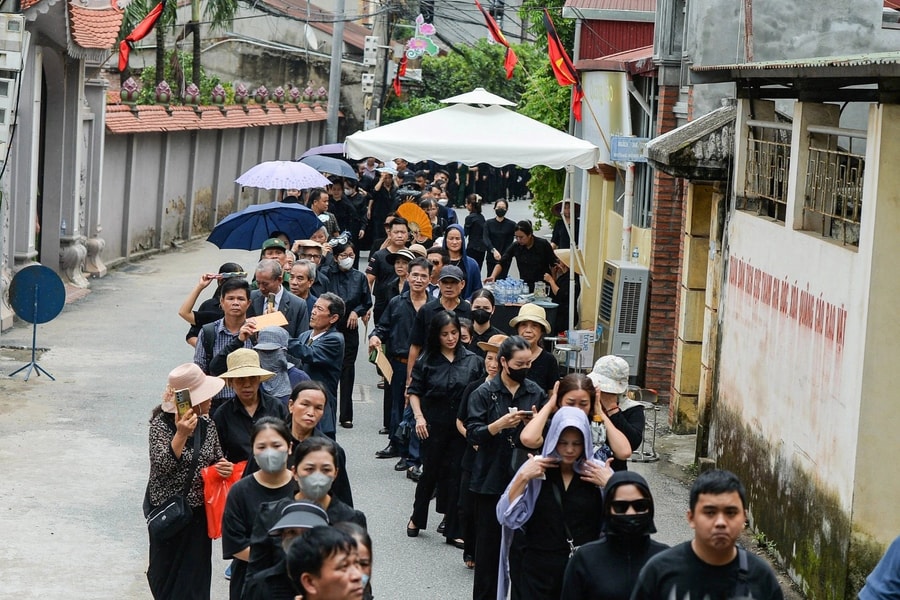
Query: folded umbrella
x,y
249,228
332,166
282,175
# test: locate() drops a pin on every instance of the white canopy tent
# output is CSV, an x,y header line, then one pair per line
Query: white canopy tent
x,y
471,135
477,129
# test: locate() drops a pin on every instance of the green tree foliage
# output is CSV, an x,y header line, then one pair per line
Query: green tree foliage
x,y
179,68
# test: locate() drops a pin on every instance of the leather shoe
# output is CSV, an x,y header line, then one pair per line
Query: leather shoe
x,y
401,465
442,527
347,424
383,431
414,473
388,452
411,529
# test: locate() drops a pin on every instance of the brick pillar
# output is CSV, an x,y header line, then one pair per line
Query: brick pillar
x,y
665,263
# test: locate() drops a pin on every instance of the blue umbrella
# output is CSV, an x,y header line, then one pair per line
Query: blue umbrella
x,y
249,228
332,166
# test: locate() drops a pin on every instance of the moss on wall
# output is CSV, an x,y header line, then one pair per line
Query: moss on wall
x,y
200,220
801,515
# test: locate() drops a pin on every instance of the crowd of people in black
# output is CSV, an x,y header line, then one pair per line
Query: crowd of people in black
x,y
527,468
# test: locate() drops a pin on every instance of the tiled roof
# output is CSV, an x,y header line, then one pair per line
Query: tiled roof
x,y
635,62
95,24
123,119
610,10
354,34
26,4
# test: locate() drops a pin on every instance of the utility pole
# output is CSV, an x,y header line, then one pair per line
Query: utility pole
x,y
334,76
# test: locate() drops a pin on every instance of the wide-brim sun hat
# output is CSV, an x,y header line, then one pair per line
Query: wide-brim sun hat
x,y
189,376
565,257
244,362
556,209
533,313
493,343
610,374
419,250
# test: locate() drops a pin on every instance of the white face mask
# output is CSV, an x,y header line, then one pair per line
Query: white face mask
x,y
345,263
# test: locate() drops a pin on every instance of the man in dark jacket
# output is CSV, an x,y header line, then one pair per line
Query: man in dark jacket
x,y
273,296
321,350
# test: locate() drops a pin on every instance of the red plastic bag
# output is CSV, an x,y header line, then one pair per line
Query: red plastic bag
x,y
215,491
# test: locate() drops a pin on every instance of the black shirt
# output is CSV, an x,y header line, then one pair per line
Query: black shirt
x,y
499,235
210,310
494,463
533,262
580,511
483,337
353,287
544,371
622,560
384,274
439,384
426,314
395,326
235,425
244,501
474,228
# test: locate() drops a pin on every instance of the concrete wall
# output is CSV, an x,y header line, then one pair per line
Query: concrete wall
x,y
781,30
806,372
161,188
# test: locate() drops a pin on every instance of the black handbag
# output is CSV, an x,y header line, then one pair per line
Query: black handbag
x,y
174,514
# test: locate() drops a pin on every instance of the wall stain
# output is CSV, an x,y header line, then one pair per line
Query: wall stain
x,y
810,529
200,220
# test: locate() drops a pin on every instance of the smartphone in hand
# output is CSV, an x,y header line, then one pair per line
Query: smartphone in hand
x,y
182,401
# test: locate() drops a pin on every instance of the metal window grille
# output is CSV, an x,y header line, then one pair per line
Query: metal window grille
x,y
767,168
834,183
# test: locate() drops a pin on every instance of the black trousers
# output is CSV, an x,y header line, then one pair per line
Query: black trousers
x,y
180,567
478,255
442,453
487,547
348,374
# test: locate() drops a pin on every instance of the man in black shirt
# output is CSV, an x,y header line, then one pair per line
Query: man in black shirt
x,y
533,255
452,283
711,565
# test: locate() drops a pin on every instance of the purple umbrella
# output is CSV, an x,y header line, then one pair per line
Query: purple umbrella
x,y
329,149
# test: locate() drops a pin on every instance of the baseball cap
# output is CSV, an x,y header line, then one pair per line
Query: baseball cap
x,y
452,272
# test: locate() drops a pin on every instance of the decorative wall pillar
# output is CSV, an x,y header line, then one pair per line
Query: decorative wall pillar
x,y
94,124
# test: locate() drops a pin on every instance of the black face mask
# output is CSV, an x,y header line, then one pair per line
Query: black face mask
x,y
481,316
518,375
500,212
629,525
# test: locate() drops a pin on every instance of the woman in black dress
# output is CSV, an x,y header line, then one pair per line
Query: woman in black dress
x,y
270,441
180,566
438,380
554,499
499,235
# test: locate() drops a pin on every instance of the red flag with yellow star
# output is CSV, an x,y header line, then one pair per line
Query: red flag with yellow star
x,y
562,65
509,62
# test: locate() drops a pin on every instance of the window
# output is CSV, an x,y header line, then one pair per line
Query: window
x,y
767,168
832,204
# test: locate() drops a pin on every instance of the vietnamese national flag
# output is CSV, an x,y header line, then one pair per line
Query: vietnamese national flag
x,y
401,71
562,65
509,63
139,33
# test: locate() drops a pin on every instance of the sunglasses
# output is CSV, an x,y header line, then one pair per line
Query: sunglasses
x,y
620,507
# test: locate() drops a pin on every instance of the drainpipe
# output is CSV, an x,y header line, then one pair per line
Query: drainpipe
x,y
626,211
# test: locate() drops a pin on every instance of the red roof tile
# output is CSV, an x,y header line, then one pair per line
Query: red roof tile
x,y
123,119
26,4
95,24
636,62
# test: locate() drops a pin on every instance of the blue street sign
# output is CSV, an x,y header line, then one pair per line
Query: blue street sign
x,y
626,148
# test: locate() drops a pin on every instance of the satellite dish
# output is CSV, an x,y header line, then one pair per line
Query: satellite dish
x,y
311,40
37,295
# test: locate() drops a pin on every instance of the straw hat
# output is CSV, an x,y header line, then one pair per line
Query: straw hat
x,y
565,256
189,376
419,250
401,253
493,343
244,362
530,312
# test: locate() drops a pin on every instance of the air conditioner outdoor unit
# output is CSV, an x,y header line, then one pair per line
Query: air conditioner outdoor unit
x,y
623,312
